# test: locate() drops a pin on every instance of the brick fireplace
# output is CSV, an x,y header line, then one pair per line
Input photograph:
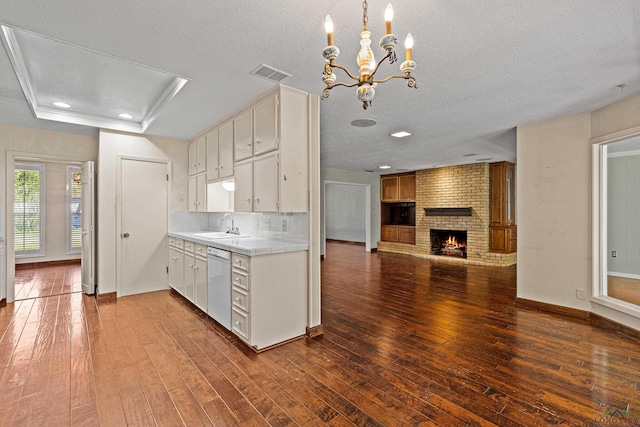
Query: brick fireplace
x,y
463,186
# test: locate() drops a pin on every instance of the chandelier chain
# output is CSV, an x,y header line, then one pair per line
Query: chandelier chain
x,y
365,18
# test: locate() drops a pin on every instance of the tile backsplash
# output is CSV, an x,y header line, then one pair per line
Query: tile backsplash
x,y
292,226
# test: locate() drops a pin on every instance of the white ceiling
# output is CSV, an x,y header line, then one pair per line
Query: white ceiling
x,y
484,66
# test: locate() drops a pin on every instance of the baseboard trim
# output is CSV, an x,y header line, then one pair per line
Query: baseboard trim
x,y
44,264
552,308
596,319
347,242
108,297
315,331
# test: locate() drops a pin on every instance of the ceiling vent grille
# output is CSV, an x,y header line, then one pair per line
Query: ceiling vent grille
x,y
269,73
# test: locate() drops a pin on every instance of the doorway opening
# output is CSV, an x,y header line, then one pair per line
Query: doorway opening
x,y
43,242
347,212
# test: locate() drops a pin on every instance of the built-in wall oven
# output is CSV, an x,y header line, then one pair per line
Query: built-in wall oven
x,y
219,286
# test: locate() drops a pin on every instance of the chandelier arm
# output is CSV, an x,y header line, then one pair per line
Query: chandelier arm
x,y
380,62
399,76
334,65
344,84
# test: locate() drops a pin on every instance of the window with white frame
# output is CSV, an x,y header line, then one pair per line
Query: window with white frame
x,y
74,210
28,209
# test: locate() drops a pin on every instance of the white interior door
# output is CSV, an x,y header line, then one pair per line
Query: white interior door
x,y
143,226
88,234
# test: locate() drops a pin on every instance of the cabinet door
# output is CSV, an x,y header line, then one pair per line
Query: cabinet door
x,y
193,200
407,187
193,158
265,183
201,192
243,195
389,188
265,126
406,235
176,270
389,233
189,277
243,135
201,155
200,284
225,151
212,155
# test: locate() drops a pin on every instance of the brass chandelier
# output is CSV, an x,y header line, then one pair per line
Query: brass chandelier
x,y
368,66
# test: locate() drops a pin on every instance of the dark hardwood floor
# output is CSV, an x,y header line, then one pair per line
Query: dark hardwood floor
x,y
407,342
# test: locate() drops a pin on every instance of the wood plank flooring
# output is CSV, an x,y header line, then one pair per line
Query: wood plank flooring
x,y
43,279
407,342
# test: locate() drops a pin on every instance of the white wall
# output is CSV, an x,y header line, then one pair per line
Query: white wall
x,y
337,175
37,144
554,211
345,209
111,146
55,209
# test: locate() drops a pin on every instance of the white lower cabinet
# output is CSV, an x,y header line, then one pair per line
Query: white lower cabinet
x,y
268,298
195,274
176,264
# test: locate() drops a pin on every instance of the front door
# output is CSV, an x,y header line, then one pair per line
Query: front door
x,y
143,226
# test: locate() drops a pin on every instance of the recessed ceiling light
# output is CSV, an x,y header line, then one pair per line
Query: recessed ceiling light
x,y
484,160
125,116
469,155
400,134
384,167
61,104
363,123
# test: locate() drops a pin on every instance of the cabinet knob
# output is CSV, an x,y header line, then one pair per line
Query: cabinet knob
x,y
249,145
221,167
248,200
257,201
238,299
258,141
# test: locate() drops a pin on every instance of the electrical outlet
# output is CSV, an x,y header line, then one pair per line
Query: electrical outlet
x,y
580,294
614,254
284,225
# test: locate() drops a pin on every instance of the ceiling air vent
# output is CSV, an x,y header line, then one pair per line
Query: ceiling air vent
x,y
269,73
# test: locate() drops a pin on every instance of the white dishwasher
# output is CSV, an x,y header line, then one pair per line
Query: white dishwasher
x,y
219,286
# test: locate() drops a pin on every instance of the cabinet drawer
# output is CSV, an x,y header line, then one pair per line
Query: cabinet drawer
x,y
240,323
240,280
189,246
178,243
172,241
241,262
240,299
201,250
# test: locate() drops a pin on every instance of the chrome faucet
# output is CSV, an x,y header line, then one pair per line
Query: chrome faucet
x,y
233,229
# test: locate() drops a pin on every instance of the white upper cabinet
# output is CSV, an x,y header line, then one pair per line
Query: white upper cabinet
x,y
220,152
225,151
212,155
243,195
197,156
265,183
265,126
281,124
243,135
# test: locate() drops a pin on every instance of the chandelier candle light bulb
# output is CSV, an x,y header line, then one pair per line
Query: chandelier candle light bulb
x,y
408,44
365,80
328,26
388,17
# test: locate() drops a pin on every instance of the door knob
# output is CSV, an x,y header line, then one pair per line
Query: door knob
x,y
125,235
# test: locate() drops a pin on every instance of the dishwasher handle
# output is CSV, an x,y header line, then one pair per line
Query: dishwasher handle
x,y
218,253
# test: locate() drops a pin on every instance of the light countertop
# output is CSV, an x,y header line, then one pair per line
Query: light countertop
x,y
250,245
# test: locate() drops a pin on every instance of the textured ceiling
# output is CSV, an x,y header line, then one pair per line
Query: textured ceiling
x,y
484,67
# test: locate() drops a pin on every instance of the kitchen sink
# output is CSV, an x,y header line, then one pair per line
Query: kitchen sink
x,y
219,235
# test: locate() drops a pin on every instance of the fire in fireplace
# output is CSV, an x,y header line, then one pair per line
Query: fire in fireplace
x,y
449,243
